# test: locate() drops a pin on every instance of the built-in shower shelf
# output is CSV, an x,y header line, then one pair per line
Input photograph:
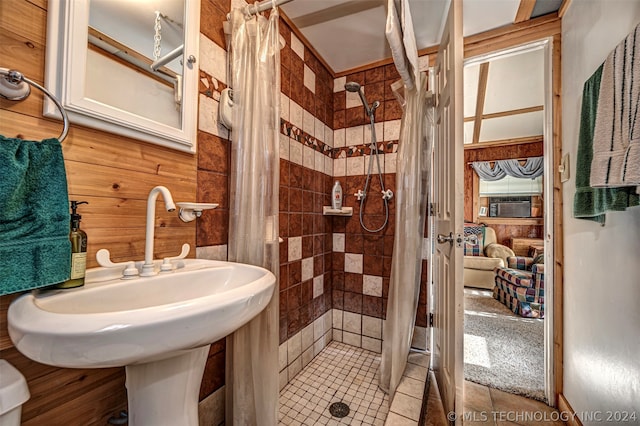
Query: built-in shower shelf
x,y
345,211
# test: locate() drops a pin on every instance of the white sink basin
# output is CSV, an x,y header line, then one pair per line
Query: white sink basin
x,y
112,322
165,321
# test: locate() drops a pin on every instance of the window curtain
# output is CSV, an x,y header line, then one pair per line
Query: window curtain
x,y
252,351
532,168
411,196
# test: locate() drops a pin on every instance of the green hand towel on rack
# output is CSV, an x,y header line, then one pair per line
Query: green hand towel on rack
x,y
34,215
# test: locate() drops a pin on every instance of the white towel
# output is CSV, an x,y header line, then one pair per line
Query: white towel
x,y
616,139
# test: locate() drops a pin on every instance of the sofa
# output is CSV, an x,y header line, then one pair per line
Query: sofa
x,y
481,259
520,286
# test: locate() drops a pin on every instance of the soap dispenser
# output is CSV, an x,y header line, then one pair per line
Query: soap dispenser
x,y
78,250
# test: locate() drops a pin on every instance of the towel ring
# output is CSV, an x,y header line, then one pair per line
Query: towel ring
x,y
14,86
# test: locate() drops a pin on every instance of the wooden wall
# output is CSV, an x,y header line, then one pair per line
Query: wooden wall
x,y
114,174
491,153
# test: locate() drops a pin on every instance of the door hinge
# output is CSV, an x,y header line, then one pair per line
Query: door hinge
x,y
432,209
430,320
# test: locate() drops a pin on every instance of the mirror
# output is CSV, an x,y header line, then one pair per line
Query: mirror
x,y
127,67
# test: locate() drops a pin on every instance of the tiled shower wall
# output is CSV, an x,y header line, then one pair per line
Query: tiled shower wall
x,y
361,259
306,167
334,276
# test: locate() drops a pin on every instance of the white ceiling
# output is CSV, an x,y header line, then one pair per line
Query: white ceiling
x,y
514,81
350,33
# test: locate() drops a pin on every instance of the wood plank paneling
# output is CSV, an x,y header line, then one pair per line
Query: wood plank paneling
x,y
22,54
114,173
25,19
65,396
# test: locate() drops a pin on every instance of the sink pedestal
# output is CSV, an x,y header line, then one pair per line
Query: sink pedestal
x,y
166,392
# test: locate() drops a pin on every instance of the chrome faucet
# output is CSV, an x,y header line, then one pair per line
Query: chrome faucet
x,y
147,268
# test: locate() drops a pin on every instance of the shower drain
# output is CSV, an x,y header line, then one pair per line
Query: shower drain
x,y
339,409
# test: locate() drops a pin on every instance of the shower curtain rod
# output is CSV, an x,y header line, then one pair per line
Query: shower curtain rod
x,y
258,7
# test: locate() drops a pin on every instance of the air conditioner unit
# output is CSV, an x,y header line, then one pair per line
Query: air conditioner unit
x,y
510,209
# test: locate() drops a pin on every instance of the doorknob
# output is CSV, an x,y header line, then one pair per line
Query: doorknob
x,y
445,238
450,239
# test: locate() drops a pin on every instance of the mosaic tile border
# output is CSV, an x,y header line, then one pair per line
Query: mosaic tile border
x,y
360,150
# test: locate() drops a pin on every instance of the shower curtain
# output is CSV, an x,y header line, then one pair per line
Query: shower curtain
x,y
412,177
252,351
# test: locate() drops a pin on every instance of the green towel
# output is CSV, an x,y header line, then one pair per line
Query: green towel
x,y
592,203
34,215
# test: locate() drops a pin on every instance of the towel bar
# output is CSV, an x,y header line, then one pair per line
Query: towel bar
x,y
13,88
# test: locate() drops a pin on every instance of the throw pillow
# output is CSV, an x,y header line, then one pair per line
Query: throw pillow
x,y
538,259
478,231
472,249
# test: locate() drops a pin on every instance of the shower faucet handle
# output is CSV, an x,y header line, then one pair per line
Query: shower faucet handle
x,y
387,195
360,195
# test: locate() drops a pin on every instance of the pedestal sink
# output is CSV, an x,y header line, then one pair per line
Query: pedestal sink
x,y
159,327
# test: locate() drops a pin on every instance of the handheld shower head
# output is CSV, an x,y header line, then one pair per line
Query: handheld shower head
x,y
352,86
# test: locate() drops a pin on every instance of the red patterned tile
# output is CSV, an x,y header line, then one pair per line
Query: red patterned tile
x,y
353,302
357,77
295,176
213,188
294,297
373,244
293,323
373,76
392,110
297,89
297,67
338,279
295,224
372,306
307,291
307,201
375,92
284,251
295,200
284,199
338,119
338,261
388,245
307,246
318,244
295,273
318,265
390,72
337,299
340,100
213,153
283,222
285,81
372,265
353,282
284,275
386,266
353,243
307,225
284,173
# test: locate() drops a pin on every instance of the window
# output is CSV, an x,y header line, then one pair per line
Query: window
x,y
509,186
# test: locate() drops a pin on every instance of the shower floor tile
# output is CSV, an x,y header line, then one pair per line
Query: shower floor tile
x,y
340,373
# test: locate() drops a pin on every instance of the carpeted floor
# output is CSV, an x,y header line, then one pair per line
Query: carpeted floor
x,y
502,350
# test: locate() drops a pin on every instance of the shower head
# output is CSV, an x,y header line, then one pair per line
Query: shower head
x,y
352,86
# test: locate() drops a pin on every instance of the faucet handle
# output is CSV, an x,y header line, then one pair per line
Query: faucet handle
x,y
167,266
104,259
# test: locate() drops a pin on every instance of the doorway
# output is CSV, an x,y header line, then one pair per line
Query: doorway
x,y
508,123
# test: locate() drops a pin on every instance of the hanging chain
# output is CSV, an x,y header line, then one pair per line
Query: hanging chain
x,y
157,38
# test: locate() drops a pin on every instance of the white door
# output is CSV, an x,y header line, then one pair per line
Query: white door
x,y
448,197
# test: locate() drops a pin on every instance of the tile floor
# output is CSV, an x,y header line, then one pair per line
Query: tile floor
x,y
339,373
488,406
491,407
